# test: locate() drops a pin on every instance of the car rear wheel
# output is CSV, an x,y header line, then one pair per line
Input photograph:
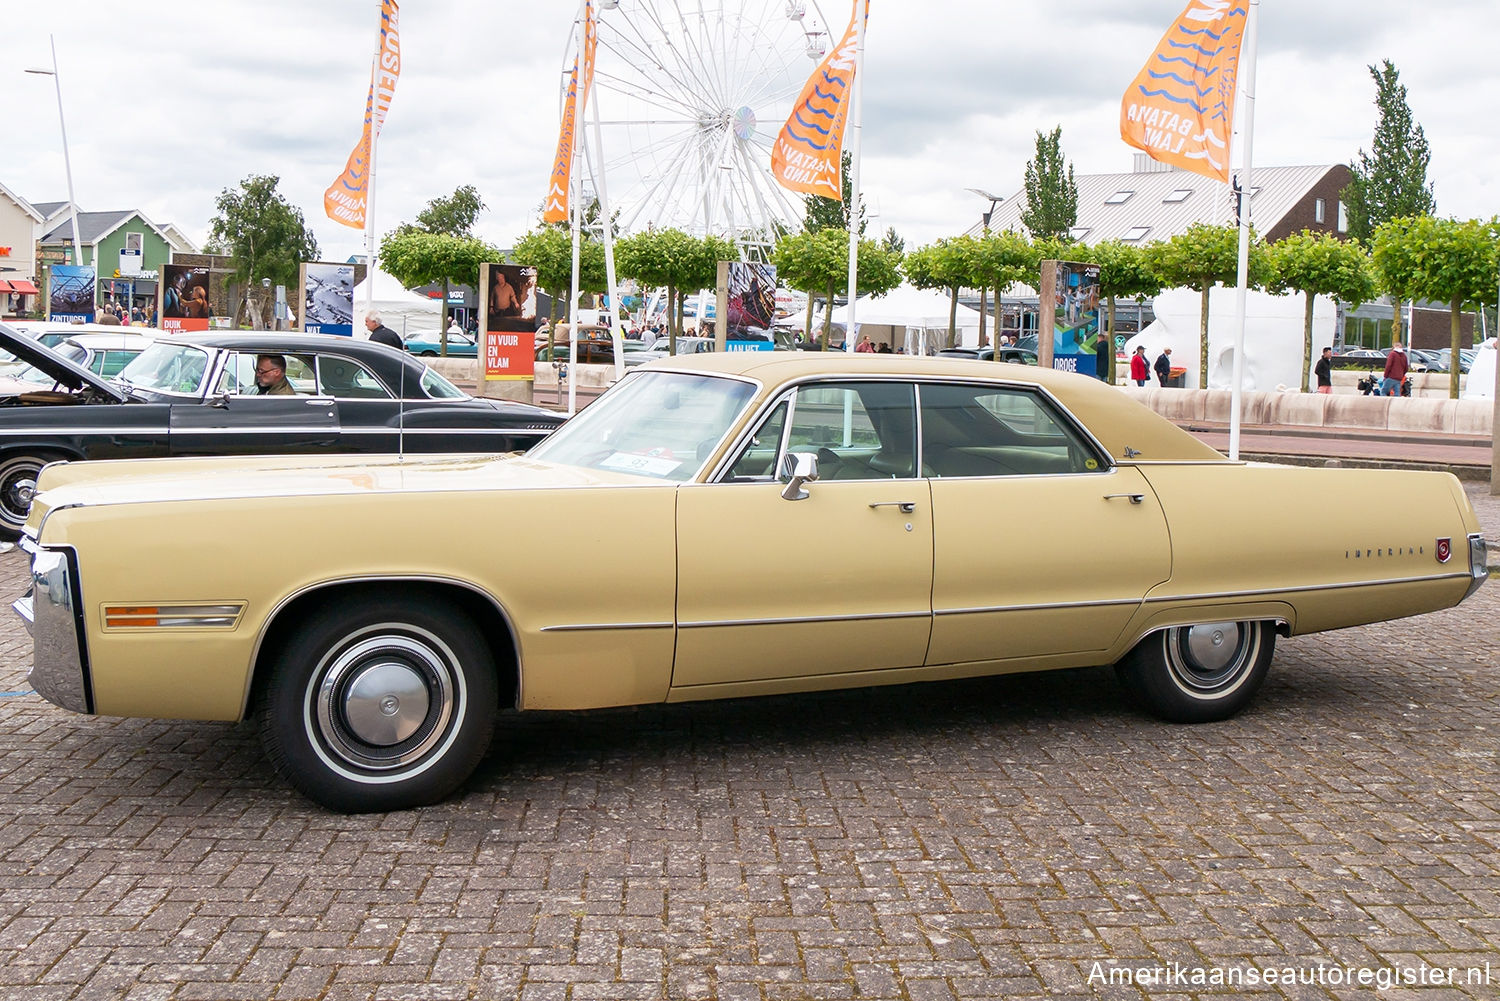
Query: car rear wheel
x,y
18,475
1199,673
380,705
429,354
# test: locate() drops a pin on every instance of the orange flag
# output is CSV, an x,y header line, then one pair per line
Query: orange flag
x,y
555,206
346,199
806,156
1180,106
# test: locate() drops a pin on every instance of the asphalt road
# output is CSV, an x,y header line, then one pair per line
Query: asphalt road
x,y
1014,837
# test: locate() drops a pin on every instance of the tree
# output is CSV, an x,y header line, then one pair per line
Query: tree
x,y
819,262
825,213
1051,194
1125,272
675,260
1391,180
414,257
454,215
951,263
893,240
1446,260
1001,260
265,235
1320,264
549,249
1201,258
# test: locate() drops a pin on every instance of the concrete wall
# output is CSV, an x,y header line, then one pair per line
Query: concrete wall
x,y
1317,410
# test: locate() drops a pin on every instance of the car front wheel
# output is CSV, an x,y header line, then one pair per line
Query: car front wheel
x,y
18,475
1200,673
380,705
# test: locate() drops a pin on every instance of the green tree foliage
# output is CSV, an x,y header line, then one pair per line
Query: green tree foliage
x,y
549,249
675,260
825,213
1201,258
1320,264
1390,181
1051,194
818,263
1446,260
266,236
454,215
893,240
415,257
1002,260
951,263
1125,272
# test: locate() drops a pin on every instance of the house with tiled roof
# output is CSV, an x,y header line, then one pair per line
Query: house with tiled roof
x,y
18,267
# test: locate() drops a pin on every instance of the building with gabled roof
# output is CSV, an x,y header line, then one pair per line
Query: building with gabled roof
x,y
19,220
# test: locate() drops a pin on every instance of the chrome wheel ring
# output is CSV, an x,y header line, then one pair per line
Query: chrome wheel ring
x,y
1212,659
18,478
383,701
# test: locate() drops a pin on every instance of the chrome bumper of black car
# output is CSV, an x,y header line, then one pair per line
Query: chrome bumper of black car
x,y
51,611
1479,557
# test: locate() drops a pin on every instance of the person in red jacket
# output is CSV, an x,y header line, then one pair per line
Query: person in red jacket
x,y
1140,369
1396,365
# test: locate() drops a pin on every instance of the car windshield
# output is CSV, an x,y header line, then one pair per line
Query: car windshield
x,y
658,424
167,368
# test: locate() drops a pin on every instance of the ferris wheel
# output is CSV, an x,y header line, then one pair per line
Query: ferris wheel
x,y
690,97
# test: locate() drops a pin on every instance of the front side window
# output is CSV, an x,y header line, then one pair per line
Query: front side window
x,y
976,430
661,425
859,431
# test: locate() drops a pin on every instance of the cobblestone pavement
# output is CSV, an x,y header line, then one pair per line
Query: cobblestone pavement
x,y
1014,837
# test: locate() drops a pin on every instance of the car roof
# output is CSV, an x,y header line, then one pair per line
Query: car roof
x,y
1119,423
116,339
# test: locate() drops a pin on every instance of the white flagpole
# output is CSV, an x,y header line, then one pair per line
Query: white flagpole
x,y
609,245
370,240
581,68
856,110
1247,89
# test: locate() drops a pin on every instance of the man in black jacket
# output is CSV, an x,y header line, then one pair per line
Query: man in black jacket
x,y
381,334
1324,371
1163,366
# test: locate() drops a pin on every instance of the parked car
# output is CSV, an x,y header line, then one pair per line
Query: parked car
x,y
429,344
190,397
104,354
591,351
797,522
1009,354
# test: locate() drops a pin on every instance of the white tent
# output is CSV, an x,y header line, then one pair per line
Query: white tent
x,y
911,318
404,312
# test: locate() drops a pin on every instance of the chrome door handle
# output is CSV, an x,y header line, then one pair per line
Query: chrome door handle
x,y
907,507
1133,498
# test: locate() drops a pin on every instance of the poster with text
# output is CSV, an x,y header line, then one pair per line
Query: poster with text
x,y
507,301
70,293
1075,325
328,298
184,298
750,306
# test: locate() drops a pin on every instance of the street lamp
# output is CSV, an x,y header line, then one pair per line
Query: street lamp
x,y
984,292
265,287
67,161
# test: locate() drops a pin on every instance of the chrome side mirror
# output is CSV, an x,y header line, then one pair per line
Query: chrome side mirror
x,y
796,469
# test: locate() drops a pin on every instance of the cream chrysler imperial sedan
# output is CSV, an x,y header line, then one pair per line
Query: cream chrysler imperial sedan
x,y
722,525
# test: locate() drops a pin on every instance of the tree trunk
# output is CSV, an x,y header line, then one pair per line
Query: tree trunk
x,y
1203,334
1307,344
443,320
671,319
807,328
1396,321
984,292
952,316
1455,329
828,319
1109,352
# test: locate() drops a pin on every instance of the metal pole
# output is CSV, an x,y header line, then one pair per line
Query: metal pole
x,y
1247,89
1495,412
609,246
856,109
574,198
370,244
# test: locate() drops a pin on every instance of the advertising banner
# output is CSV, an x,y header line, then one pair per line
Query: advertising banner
x,y
328,298
70,293
1073,290
184,298
507,301
748,296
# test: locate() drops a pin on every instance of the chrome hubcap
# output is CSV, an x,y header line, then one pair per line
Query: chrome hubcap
x,y
1211,659
384,701
1212,646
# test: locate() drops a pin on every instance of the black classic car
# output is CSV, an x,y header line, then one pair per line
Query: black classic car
x,y
193,395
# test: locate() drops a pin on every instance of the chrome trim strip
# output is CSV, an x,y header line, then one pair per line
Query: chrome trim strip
x,y
983,610
283,429
803,620
59,665
1479,556
1305,587
589,627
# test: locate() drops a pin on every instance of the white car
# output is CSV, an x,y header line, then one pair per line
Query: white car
x,y
103,351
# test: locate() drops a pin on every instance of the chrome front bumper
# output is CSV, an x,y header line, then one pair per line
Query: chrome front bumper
x,y
51,611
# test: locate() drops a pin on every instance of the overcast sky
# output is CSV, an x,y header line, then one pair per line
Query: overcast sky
x,y
169,103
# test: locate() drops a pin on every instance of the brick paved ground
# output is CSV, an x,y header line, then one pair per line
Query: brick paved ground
x,y
969,840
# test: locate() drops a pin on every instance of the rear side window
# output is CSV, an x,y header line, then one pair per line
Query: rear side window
x,y
999,431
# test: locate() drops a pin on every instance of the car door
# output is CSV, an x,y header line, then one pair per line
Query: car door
x,y
837,582
232,422
1039,546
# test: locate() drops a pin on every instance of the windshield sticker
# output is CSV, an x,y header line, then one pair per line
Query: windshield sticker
x,y
647,464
